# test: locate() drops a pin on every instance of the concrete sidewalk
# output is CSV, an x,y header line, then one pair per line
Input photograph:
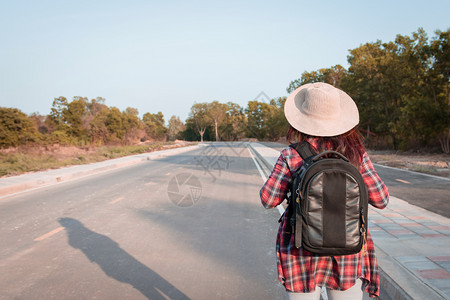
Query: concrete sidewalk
x,y
25,182
412,245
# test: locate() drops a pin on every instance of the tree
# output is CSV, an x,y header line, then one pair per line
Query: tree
x,y
114,124
440,76
16,128
95,105
277,125
375,81
176,126
39,123
331,76
217,113
234,125
98,130
266,120
92,109
72,117
258,117
401,89
131,124
67,118
154,125
56,116
200,117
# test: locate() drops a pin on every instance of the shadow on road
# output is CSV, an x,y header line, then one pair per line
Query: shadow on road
x,y
117,263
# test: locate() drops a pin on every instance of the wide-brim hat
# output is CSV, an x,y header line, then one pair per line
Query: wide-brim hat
x,y
320,109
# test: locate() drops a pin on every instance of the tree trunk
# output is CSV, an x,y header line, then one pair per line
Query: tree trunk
x,y
217,134
202,132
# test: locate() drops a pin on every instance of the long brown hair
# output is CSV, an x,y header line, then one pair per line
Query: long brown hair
x,y
350,144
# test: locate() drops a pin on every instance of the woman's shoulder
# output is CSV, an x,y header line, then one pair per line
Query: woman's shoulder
x,y
288,151
291,157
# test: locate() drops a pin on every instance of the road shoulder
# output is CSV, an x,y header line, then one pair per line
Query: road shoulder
x,y
17,184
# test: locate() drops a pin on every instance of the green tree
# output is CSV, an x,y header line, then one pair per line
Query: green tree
x,y
266,120
277,125
16,128
175,127
132,125
68,119
92,109
73,118
258,117
200,117
217,113
98,130
234,124
331,76
440,77
374,81
114,124
56,116
401,89
154,125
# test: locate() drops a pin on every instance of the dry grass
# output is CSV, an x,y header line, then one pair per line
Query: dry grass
x,y
16,161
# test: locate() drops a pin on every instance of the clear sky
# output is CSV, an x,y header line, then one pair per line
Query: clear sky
x,y
166,55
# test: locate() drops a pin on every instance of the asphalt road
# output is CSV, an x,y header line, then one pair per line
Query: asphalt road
x,y
429,192
189,226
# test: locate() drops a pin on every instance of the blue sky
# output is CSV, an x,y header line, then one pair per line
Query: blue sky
x,y
166,55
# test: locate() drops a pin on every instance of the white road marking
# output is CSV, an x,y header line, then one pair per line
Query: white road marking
x,y
413,172
404,181
116,200
257,166
49,234
279,207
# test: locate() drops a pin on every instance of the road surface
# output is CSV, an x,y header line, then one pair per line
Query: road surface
x,y
189,226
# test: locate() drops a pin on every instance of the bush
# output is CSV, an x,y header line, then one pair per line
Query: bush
x,y
16,128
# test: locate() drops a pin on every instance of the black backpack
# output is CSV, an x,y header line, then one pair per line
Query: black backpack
x,y
328,203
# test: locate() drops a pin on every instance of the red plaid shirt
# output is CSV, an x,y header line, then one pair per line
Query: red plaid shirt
x,y
301,271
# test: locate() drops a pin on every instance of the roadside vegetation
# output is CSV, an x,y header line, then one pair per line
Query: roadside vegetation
x,y
28,159
401,88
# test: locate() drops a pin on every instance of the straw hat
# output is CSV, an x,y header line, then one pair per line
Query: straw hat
x,y
320,109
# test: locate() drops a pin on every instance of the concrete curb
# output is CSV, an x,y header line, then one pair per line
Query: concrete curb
x,y
21,183
396,282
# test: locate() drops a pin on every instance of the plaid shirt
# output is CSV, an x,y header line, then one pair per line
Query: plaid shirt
x,y
301,271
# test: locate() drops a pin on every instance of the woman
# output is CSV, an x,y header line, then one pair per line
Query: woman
x,y
326,117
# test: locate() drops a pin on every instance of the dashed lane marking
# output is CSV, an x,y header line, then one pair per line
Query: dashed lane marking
x,y
116,200
49,234
404,181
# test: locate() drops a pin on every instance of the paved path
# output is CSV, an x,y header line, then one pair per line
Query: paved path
x,y
185,226
144,227
413,245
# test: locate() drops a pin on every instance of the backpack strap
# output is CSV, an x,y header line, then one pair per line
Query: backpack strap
x,y
304,149
306,152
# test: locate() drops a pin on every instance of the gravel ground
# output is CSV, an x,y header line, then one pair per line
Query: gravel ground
x,y
435,164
